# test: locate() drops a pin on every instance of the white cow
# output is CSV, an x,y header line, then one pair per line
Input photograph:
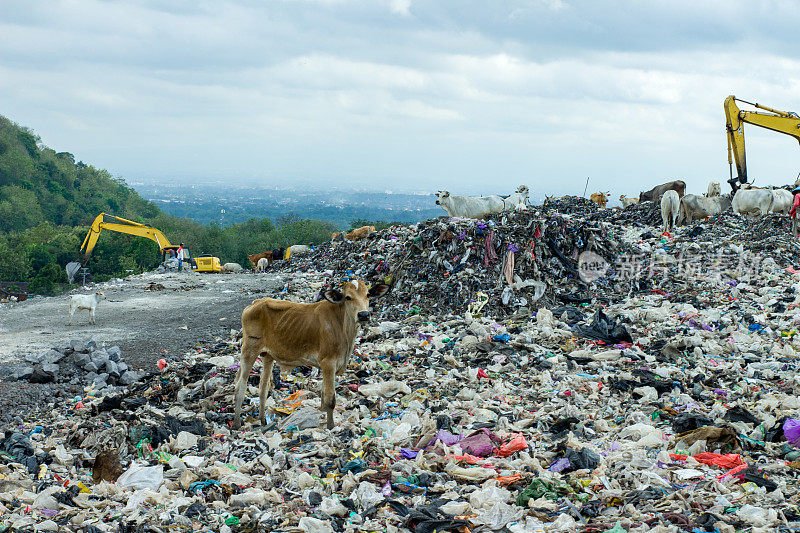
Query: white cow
x,y
713,189
781,201
696,207
232,268
747,201
627,201
518,200
670,207
469,206
299,249
85,302
262,265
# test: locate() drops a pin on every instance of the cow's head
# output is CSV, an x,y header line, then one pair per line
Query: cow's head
x,y
100,295
355,296
523,189
441,195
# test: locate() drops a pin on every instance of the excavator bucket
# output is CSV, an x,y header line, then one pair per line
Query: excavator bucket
x,y
72,269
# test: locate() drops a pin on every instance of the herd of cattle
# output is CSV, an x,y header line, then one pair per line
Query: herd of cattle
x,y
262,261
676,206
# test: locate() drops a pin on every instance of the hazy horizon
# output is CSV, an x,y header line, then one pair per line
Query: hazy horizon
x,y
472,97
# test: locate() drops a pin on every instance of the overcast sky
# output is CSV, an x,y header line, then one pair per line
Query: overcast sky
x,y
475,97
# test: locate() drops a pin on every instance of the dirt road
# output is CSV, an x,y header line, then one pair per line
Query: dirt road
x,y
146,324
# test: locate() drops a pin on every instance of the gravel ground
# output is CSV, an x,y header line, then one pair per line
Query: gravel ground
x,y
146,324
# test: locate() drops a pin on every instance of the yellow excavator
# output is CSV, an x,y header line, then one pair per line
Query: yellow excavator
x,y
203,263
775,120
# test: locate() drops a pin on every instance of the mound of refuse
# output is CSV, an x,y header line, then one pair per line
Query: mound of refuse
x,y
507,384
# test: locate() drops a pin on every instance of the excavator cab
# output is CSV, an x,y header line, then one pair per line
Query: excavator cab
x,y
165,253
735,182
201,263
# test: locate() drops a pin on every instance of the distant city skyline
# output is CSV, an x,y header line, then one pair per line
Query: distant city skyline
x,y
473,97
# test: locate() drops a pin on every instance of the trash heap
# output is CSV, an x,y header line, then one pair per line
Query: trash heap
x,y
84,363
509,264
610,405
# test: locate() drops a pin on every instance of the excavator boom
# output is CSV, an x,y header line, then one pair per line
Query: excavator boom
x,y
781,121
121,225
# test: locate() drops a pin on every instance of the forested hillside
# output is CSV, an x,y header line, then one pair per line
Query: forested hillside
x,y
48,200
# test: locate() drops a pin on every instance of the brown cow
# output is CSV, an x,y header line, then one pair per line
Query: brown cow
x,y
655,194
254,258
320,334
359,233
600,198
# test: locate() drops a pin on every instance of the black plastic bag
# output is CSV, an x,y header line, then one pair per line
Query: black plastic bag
x,y
752,474
19,447
583,459
196,426
603,329
740,414
689,421
574,314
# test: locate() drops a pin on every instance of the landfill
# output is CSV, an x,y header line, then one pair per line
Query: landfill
x,y
561,369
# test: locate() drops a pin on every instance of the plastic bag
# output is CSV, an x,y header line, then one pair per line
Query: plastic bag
x,y
309,524
728,461
303,418
582,459
517,444
385,389
791,430
480,443
470,474
142,477
603,329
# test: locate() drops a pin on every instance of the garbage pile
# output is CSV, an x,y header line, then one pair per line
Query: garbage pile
x,y
668,403
83,363
648,213
510,264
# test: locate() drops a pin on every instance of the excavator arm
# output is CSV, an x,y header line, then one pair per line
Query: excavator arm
x,y
121,225
773,119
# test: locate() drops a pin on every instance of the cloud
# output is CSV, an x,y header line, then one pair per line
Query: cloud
x,y
400,7
465,93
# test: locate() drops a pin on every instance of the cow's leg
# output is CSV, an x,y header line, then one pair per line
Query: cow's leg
x,y
328,389
250,351
264,386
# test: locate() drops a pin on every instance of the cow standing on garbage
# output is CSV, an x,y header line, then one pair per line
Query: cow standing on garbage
x,y
320,334
600,198
752,201
670,208
469,206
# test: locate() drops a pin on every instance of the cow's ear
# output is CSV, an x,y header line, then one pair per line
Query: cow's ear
x,y
378,290
333,296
